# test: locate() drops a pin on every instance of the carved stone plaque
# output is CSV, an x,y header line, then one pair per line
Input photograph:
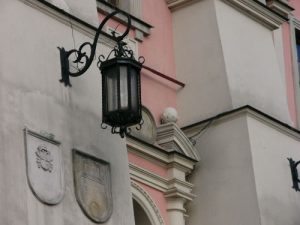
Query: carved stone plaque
x,y
92,186
44,167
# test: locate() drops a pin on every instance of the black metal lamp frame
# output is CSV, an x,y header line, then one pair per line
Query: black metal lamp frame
x,y
294,172
120,51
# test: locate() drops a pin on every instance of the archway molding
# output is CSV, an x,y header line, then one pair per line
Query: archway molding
x,y
145,201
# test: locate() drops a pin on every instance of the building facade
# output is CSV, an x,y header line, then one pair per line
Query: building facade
x,y
221,112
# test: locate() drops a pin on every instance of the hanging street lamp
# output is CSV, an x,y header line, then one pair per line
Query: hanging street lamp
x,y
121,83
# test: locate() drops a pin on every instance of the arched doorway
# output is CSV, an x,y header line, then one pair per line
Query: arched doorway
x,y
140,216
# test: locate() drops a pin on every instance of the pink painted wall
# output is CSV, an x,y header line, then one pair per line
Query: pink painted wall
x,y
288,60
289,72
157,48
296,5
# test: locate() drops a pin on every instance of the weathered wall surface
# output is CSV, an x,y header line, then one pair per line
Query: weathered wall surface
x,y
227,60
244,176
32,96
252,67
278,202
224,179
199,63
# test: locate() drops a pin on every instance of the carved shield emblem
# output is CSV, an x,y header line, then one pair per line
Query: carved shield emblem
x,y
44,167
92,186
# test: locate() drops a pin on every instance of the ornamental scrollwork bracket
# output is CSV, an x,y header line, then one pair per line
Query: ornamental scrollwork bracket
x,y
85,58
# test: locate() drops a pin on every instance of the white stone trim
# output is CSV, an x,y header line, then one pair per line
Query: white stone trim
x,y
145,201
171,134
158,155
258,12
171,187
149,178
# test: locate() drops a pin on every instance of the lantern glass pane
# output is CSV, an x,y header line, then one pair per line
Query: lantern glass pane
x,y
134,90
112,87
123,87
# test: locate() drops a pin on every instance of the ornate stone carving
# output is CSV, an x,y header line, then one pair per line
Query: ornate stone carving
x,y
44,158
92,186
44,167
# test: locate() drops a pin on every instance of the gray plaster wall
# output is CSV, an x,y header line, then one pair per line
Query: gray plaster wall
x,y
270,148
224,181
244,176
227,60
252,64
32,96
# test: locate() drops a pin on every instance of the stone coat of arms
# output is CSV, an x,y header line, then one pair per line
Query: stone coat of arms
x,y
44,167
92,186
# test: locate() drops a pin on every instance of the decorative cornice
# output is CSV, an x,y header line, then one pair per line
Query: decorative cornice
x,y
259,12
252,112
159,155
148,178
170,137
280,6
176,4
170,187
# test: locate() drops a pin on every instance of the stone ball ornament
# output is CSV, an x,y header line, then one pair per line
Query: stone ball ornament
x,y
169,115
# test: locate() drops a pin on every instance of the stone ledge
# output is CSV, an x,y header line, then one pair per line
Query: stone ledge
x,y
280,6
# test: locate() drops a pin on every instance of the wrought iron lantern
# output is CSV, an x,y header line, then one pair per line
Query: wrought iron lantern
x,y
121,84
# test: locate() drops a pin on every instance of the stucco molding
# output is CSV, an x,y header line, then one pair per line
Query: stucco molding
x,y
280,6
259,12
176,4
147,177
173,187
170,137
146,202
160,156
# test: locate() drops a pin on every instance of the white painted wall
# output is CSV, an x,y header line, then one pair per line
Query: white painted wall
x,y
31,95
